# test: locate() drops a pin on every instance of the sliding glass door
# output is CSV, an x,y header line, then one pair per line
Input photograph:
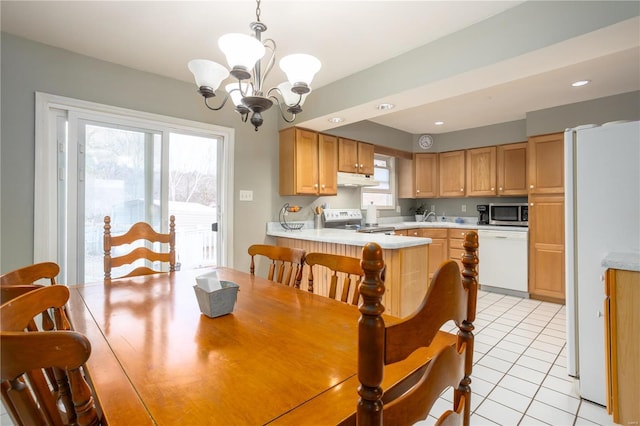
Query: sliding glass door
x,y
91,165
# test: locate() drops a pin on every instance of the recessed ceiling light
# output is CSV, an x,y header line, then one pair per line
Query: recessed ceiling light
x,y
439,123
336,120
384,107
580,83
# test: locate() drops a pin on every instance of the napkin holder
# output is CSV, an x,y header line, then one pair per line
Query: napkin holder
x,y
219,298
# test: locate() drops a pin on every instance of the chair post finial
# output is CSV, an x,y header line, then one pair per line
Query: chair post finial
x,y
371,329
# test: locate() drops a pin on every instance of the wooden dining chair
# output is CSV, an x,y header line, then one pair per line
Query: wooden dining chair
x,y
137,234
287,261
346,267
31,273
450,297
22,280
29,392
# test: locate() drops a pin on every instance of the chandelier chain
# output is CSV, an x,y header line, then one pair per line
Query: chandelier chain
x,y
258,10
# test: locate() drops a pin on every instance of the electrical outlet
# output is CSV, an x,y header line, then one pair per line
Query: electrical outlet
x,y
464,208
397,209
433,208
246,195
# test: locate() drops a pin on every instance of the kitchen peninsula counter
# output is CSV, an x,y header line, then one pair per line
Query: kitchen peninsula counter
x,y
406,260
349,237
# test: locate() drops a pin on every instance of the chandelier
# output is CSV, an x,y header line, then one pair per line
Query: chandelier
x,y
245,53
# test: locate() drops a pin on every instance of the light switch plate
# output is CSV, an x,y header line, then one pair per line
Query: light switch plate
x,y
246,195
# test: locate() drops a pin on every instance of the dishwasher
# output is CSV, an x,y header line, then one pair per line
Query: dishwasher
x,y
503,261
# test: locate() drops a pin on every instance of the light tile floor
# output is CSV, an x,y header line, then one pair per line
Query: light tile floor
x,y
519,376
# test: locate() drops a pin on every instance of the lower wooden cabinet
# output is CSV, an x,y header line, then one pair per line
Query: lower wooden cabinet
x,y
546,247
438,249
622,345
456,248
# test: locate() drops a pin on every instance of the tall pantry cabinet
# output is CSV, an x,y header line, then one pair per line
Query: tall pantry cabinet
x,y
546,217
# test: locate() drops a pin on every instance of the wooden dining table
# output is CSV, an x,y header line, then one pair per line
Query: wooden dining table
x,y
283,356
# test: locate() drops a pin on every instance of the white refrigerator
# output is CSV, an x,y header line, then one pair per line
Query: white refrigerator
x,y
602,215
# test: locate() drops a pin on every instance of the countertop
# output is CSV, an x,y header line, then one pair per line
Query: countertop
x,y
628,261
351,237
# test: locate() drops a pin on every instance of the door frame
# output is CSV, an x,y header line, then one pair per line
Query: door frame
x,y
46,239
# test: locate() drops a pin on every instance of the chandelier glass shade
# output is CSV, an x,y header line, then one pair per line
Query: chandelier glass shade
x,y
244,55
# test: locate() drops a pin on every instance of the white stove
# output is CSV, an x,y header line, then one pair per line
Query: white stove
x,y
351,219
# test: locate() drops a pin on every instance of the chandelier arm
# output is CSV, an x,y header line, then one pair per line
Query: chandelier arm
x,y
276,89
224,101
282,112
270,45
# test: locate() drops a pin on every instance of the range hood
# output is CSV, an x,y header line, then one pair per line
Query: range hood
x,y
355,179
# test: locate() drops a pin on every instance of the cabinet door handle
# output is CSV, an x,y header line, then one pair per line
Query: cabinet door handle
x,y
356,165
315,185
322,186
461,189
530,186
500,189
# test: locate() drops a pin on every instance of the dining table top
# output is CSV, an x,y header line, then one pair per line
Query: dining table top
x,y
282,355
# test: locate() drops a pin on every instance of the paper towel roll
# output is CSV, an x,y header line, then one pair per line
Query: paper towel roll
x,y
372,215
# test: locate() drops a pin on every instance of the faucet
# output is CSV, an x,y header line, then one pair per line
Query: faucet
x,y
425,215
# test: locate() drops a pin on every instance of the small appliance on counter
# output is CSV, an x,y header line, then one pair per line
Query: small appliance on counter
x,y
509,214
483,214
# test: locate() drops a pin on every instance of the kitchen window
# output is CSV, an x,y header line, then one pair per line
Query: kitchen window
x,y
383,195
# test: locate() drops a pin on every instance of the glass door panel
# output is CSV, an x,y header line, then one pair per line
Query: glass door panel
x,y
193,198
119,176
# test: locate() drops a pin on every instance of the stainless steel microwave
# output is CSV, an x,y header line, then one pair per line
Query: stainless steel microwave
x,y
514,214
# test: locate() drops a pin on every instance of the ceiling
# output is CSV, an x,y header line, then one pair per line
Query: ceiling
x,y
348,37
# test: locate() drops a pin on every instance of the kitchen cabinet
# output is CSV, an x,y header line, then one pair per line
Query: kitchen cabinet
x,y
455,238
451,174
425,167
622,344
546,247
481,171
438,249
355,157
546,164
406,181
308,163
512,169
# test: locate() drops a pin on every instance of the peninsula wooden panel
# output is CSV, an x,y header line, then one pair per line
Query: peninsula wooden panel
x,y
406,274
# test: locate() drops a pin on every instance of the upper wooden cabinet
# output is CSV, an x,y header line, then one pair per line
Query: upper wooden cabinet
x,y
308,163
481,171
425,168
451,173
355,157
512,169
546,164
406,180
327,164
